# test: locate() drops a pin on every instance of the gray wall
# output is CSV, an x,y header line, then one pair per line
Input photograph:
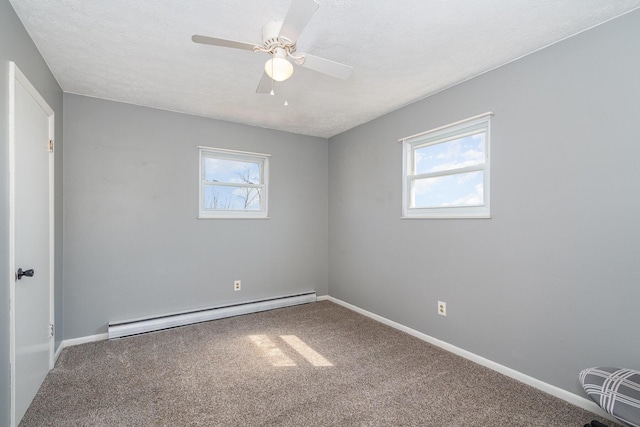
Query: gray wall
x,y
16,46
133,245
550,284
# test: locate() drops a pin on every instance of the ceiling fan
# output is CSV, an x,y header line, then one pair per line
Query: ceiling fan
x,y
279,41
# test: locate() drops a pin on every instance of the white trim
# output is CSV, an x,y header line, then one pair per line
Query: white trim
x,y
57,354
83,340
558,392
16,76
12,241
52,238
227,151
233,217
77,341
448,215
459,122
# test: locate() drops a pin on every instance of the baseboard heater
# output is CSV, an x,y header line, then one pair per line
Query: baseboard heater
x,y
150,324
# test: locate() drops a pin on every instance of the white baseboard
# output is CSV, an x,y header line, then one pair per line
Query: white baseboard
x,y
558,392
83,340
77,341
57,353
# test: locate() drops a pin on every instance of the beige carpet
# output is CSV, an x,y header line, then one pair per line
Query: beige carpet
x,y
313,365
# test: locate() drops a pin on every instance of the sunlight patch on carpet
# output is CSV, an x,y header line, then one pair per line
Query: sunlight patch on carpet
x,y
305,351
271,351
277,357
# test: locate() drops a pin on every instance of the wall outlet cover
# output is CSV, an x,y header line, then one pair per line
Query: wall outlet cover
x,y
442,308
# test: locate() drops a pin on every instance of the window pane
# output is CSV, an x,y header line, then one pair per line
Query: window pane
x,y
463,189
454,154
231,171
231,198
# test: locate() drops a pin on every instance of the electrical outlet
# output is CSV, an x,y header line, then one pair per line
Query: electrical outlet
x,y
236,285
442,308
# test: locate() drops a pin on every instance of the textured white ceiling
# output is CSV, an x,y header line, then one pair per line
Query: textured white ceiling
x,y
141,52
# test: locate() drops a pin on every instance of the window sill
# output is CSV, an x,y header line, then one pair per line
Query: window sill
x,y
233,217
448,217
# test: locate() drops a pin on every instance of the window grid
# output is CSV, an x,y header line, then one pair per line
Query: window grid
x,y
233,184
466,172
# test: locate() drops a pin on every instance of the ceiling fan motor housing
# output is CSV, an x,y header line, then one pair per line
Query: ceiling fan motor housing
x,y
272,43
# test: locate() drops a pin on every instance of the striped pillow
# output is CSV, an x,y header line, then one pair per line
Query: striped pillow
x,y
616,390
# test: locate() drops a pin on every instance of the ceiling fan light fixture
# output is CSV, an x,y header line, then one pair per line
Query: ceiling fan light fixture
x,y
279,69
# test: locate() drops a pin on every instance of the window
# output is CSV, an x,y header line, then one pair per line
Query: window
x,y
233,184
446,171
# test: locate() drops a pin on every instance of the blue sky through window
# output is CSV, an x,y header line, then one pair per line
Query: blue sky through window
x,y
454,154
231,197
465,189
231,171
458,189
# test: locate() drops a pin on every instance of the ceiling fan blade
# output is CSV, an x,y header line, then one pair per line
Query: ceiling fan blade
x,y
327,66
299,14
222,42
265,85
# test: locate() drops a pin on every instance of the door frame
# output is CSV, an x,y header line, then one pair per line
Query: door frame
x,y
17,77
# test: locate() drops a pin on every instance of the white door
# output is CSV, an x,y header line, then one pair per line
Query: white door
x,y
31,195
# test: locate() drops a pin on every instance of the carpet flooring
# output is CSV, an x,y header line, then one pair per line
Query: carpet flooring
x,y
317,364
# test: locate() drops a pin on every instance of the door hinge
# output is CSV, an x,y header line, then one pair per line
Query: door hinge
x,y
51,330
51,145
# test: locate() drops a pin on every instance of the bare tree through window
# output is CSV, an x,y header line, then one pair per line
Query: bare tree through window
x,y
249,196
233,183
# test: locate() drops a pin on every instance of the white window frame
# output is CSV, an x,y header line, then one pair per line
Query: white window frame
x,y
243,156
436,136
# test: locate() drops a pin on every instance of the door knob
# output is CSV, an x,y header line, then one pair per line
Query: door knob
x,y
20,273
